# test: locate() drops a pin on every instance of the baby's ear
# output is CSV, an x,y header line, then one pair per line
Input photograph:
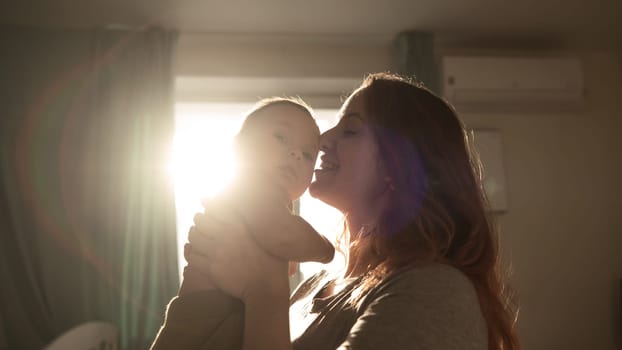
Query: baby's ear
x,y
236,143
238,146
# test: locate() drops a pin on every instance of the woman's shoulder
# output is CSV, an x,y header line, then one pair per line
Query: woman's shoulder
x,y
433,277
438,301
434,285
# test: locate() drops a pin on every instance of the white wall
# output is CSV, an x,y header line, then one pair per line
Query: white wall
x,y
562,232
320,69
281,55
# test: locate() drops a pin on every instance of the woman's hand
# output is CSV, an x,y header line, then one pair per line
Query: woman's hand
x,y
223,249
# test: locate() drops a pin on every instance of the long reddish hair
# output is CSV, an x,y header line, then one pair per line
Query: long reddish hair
x,y
437,210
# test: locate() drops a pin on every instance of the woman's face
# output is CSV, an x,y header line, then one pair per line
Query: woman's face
x,y
349,175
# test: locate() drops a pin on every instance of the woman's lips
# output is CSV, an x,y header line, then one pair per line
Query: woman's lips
x,y
319,173
327,167
328,164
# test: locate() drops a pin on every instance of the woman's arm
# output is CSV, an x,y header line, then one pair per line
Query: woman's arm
x,y
240,268
201,316
267,319
193,280
198,321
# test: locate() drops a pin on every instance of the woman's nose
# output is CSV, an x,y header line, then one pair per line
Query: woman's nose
x,y
327,140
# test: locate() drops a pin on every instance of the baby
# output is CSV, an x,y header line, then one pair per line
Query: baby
x,y
277,147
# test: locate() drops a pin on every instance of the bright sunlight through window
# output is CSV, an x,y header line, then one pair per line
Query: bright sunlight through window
x,y
203,163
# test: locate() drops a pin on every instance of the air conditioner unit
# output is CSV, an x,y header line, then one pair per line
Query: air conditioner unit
x,y
513,84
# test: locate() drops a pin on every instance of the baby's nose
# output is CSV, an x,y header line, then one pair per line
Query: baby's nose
x,y
296,153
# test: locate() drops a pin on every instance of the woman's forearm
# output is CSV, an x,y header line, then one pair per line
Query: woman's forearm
x,y
267,321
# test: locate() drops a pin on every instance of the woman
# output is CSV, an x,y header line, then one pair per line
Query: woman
x,y
422,264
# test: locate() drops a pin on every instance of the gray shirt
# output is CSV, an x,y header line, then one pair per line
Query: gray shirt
x,y
432,307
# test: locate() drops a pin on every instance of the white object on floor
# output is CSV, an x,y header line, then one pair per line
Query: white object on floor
x,y
88,336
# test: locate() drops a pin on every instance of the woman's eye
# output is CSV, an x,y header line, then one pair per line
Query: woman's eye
x,y
307,156
348,132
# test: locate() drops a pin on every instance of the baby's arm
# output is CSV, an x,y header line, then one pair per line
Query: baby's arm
x,y
286,235
295,240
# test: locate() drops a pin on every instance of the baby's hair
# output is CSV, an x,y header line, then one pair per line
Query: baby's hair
x,y
264,103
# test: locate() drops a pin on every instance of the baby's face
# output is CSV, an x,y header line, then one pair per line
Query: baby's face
x,y
282,142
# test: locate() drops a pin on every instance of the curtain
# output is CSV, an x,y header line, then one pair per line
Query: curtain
x,y
87,210
414,57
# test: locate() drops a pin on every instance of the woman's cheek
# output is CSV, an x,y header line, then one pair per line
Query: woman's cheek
x,y
364,181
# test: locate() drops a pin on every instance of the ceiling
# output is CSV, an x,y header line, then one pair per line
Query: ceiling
x,y
591,19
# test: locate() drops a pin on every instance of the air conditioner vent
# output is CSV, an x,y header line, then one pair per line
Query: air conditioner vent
x,y
513,84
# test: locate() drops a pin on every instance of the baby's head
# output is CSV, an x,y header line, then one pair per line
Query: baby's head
x,y
279,139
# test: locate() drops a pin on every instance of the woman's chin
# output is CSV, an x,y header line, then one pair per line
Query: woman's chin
x,y
313,189
322,184
318,190
323,191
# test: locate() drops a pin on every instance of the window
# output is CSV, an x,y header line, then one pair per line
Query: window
x,y
203,163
